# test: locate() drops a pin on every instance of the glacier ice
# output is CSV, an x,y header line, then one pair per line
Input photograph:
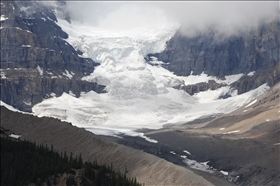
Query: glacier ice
x,y
139,95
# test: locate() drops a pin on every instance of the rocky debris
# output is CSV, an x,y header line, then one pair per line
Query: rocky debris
x,y
195,88
147,169
36,61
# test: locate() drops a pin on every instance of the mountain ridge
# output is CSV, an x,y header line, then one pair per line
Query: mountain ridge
x,y
36,61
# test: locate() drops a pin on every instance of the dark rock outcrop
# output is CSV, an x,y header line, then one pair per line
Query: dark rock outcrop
x,y
192,89
36,60
257,51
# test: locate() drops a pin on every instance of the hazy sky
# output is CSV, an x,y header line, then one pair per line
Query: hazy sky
x,y
225,18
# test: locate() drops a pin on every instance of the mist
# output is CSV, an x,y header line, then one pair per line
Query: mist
x,y
224,18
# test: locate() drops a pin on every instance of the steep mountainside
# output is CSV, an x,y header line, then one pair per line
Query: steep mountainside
x,y
256,52
36,61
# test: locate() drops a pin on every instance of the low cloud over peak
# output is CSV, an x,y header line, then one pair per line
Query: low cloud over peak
x,y
224,18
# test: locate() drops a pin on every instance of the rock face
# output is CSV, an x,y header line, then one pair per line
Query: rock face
x,y
36,61
257,51
192,89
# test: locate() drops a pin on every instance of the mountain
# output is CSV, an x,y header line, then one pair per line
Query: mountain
x,y
257,52
148,78
208,91
36,61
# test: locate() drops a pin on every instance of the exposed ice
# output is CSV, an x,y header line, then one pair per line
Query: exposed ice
x,y
139,95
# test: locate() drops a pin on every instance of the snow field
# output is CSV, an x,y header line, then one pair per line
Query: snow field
x,y
139,95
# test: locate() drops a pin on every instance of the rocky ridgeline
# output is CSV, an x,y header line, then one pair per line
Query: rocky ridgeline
x,y
36,61
256,51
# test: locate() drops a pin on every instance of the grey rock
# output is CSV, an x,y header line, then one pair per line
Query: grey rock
x,y
255,51
32,41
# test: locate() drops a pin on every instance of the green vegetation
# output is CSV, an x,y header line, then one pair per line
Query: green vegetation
x,y
24,162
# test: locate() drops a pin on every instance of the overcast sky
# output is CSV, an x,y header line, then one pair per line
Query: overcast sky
x,y
225,18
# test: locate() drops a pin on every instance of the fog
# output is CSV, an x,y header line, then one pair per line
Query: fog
x,y
224,18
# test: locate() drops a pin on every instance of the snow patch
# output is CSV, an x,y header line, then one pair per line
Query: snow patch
x,y
251,73
194,79
2,74
253,102
172,152
9,107
141,135
198,166
235,131
3,18
224,172
210,95
187,152
27,103
26,46
41,71
71,93
67,74
15,136
222,129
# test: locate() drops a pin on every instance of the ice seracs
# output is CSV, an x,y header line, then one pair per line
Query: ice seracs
x,y
139,94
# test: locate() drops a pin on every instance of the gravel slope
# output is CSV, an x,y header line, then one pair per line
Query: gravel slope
x,y
148,169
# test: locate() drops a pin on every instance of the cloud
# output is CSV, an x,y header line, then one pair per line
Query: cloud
x,y
121,15
225,18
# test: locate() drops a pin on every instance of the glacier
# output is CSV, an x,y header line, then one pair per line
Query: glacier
x,y
138,94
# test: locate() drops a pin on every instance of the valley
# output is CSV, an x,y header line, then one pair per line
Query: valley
x,y
248,156
141,93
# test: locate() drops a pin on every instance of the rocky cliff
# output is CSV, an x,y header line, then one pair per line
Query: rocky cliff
x,y
36,60
257,52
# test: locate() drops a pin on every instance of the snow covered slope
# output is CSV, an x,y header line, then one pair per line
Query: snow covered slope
x,y
139,95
